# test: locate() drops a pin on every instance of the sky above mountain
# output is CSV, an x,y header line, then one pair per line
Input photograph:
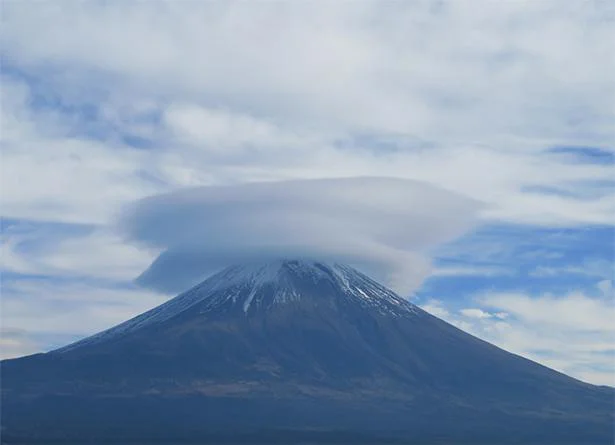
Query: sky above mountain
x,y
140,139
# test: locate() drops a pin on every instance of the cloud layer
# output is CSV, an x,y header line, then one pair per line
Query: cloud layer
x,y
383,225
572,332
508,103
466,95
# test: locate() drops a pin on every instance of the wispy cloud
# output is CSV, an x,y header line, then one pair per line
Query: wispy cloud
x,y
69,251
458,271
16,343
573,332
39,314
217,96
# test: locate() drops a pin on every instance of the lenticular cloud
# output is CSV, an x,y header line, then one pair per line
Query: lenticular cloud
x,y
382,226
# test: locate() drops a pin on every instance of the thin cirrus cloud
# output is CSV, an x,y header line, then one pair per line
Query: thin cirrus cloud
x,y
383,225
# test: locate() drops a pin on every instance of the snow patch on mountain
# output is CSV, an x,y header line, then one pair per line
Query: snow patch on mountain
x,y
255,287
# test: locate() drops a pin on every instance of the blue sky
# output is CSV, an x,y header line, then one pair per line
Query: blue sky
x,y
506,107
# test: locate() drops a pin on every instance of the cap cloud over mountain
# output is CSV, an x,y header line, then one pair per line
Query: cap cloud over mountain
x,y
383,225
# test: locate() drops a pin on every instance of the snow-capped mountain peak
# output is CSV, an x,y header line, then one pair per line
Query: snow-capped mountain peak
x,y
258,287
291,280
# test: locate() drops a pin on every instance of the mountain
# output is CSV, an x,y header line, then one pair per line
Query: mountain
x,y
285,351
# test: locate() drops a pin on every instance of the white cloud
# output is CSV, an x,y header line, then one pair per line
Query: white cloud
x,y
470,271
361,65
99,254
381,224
595,268
248,93
575,310
47,306
437,308
49,174
220,130
475,313
572,333
16,343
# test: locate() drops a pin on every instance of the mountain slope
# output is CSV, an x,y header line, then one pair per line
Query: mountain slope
x,y
297,348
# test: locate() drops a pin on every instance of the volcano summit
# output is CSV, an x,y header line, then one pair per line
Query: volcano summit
x,y
294,350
